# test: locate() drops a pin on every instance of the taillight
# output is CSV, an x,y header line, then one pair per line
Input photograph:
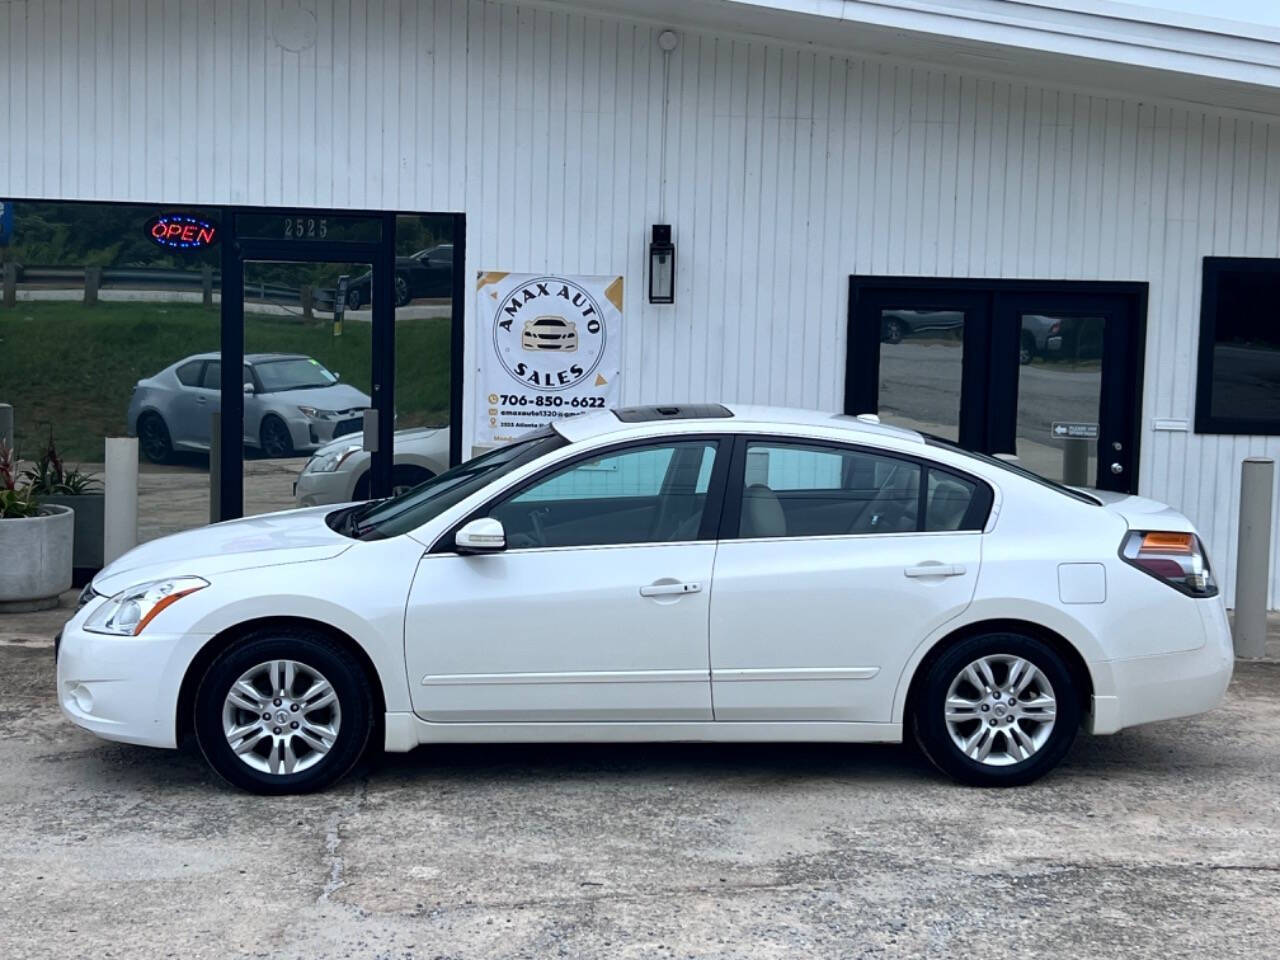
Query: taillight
x,y
1176,558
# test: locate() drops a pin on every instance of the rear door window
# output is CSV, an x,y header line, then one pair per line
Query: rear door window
x,y
189,373
796,489
212,379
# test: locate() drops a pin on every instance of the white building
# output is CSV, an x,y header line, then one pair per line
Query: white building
x,y
848,186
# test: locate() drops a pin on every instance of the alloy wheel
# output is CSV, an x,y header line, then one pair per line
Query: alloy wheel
x,y
154,439
1000,710
276,441
281,717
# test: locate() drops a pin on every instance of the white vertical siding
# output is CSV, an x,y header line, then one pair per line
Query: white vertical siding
x,y
787,170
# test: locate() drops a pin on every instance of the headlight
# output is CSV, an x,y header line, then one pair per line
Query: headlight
x,y
315,413
331,460
129,611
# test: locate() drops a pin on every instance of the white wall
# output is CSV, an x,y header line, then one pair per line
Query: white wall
x,y
788,170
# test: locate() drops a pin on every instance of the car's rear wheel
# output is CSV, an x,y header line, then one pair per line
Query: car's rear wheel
x,y
893,331
999,709
154,439
284,711
354,298
275,439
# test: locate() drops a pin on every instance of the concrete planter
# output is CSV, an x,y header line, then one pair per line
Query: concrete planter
x,y
35,559
90,511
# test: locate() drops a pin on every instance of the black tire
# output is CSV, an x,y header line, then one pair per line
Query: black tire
x,y
274,438
1027,349
354,298
893,331
314,650
929,708
402,292
154,438
402,475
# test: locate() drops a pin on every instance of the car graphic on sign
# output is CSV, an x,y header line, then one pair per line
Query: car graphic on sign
x,y
550,333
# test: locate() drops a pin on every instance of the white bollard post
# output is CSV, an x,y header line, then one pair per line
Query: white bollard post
x,y
1253,557
121,489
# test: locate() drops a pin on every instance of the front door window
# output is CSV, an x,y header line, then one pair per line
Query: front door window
x,y
652,494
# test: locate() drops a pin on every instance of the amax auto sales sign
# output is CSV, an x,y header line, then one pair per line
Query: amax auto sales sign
x,y
549,347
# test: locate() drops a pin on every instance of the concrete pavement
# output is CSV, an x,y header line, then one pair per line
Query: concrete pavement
x,y
1160,842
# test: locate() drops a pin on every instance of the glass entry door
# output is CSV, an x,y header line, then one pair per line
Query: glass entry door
x,y
1047,373
308,379
308,347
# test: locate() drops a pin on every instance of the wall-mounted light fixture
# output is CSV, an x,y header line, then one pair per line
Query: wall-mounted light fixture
x,y
662,265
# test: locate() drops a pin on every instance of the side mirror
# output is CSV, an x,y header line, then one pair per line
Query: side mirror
x,y
248,388
481,535
336,375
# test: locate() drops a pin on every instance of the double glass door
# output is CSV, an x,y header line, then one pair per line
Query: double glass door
x,y
1047,373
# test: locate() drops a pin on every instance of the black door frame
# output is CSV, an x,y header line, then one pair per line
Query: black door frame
x,y
381,256
989,379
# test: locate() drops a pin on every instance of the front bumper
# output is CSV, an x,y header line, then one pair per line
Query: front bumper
x,y
1166,686
120,688
310,435
319,489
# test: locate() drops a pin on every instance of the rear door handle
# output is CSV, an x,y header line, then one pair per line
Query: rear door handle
x,y
669,589
934,569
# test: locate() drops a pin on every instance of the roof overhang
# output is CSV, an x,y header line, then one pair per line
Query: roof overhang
x,y
1098,45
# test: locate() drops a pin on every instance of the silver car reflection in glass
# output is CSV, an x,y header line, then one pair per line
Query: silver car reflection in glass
x,y
292,404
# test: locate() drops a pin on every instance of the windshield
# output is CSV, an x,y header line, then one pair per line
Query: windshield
x,y
413,508
297,373
1013,468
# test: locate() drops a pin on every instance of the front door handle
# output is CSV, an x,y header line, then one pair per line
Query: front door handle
x,y
669,589
935,569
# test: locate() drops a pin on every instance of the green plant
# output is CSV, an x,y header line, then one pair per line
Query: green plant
x,y
16,503
49,477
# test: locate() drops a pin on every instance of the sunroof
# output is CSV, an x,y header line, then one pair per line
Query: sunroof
x,y
673,411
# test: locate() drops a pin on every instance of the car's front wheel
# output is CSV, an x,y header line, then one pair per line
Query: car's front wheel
x,y
275,439
284,711
998,709
402,293
1026,349
404,477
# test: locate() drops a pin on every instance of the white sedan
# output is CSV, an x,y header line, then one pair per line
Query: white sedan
x,y
662,573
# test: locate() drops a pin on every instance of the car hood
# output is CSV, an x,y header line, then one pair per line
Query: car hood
x,y
412,435
1141,513
293,536
337,396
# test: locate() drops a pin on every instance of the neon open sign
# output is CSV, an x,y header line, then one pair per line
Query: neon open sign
x,y
182,231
